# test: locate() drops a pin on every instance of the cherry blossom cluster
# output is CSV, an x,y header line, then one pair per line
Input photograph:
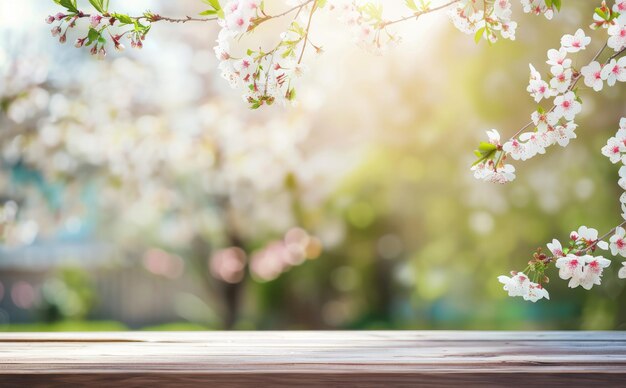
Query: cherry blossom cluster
x,y
555,125
613,20
484,20
541,7
268,75
365,22
487,19
264,76
615,150
549,127
100,24
576,262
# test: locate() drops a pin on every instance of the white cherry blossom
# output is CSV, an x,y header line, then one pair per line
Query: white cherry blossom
x,y
622,271
617,32
566,106
617,242
516,285
592,272
614,71
516,149
613,150
622,183
571,267
562,79
592,75
544,121
563,133
558,58
575,43
534,143
494,137
520,285
556,248
536,292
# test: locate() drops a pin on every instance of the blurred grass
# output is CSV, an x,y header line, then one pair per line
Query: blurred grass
x,y
66,326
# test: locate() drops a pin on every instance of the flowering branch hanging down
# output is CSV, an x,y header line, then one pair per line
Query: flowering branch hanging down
x,y
556,125
266,76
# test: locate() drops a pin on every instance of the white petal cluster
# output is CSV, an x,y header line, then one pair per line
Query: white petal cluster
x,y
520,285
584,271
262,77
485,22
538,7
617,31
615,150
556,126
365,31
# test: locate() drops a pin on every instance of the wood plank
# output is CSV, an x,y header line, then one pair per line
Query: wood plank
x,y
331,358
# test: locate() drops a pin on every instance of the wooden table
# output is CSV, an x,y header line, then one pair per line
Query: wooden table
x,y
295,359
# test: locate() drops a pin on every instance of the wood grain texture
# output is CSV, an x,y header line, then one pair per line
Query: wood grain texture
x,y
341,359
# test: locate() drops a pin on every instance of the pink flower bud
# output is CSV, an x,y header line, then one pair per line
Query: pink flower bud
x,y
102,53
79,43
94,50
573,236
63,38
50,19
60,16
56,31
139,44
119,47
133,44
95,20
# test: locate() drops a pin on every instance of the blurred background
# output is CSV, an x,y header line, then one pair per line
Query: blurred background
x,y
139,192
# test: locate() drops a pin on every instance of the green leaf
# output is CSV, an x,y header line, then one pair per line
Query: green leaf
x,y
557,4
123,19
216,9
479,34
411,4
486,147
480,160
98,5
601,13
321,3
70,5
92,36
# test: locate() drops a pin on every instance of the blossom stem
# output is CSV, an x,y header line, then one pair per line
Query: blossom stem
x,y
306,32
591,246
297,7
601,238
417,14
617,54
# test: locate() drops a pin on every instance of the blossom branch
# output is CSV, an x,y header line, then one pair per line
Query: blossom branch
x,y
417,14
591,246
295,8
306,31
576,77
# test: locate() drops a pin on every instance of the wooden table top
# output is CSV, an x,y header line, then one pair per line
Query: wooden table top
x,y
319,358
